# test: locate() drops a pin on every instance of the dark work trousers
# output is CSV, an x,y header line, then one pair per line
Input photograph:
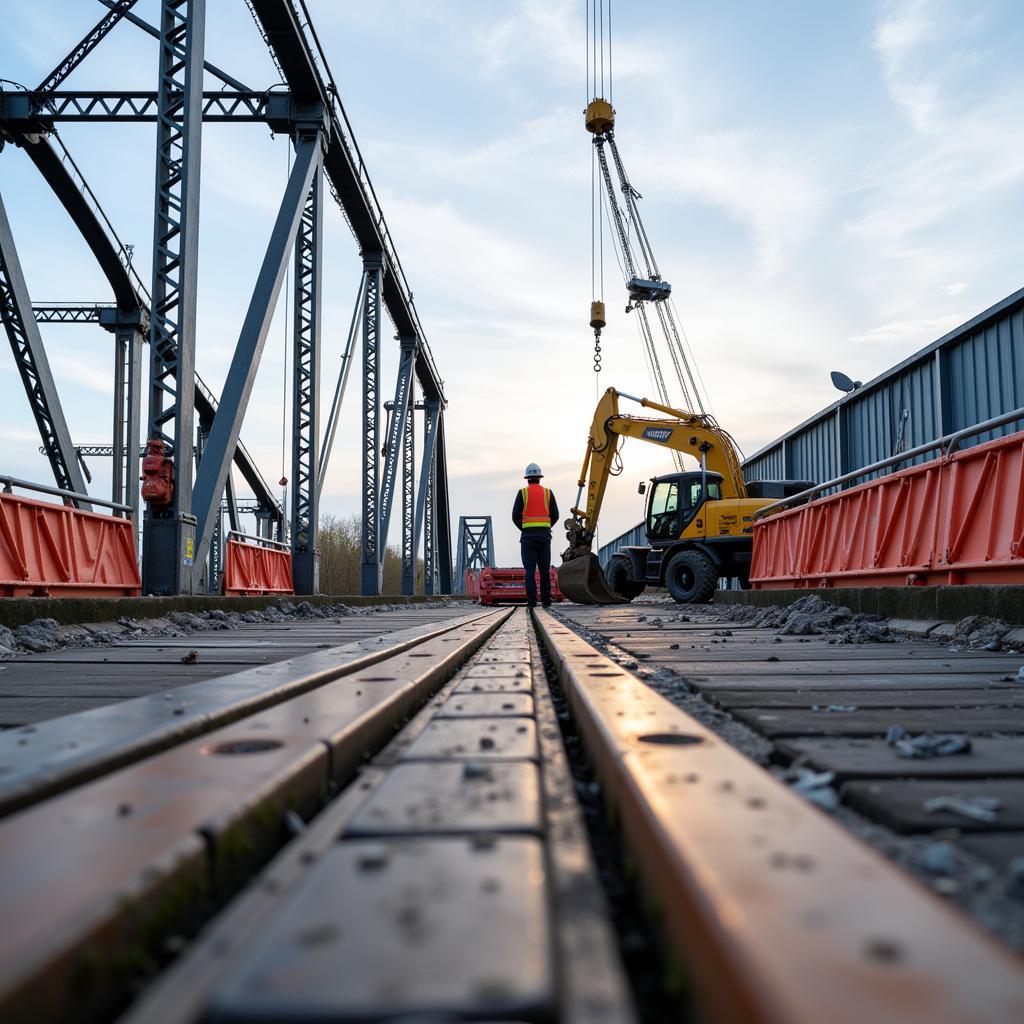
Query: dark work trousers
x,y
535,544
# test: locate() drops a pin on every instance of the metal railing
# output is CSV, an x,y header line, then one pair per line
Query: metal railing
x,y
949,444
258,541
10,482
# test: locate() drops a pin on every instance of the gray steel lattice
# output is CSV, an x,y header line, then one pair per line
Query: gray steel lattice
x,y
33,366
409,497
371,576
168,553
305,391
389,483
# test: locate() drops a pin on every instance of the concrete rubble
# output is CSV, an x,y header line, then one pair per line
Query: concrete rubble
x,y
43,635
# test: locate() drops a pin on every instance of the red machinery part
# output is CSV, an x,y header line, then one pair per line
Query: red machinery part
x,y
251,570
157,475
506,586
49,550
948,521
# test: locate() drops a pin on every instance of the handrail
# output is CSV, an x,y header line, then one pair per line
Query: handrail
x,y
264,541
950,443
11,482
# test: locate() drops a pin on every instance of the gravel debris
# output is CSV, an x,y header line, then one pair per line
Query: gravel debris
x,y
976,808
814,786
811,615
926,744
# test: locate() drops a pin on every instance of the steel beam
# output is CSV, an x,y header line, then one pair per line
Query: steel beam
x,y
32,111
85,46
396,435
424,525
153,31
409,497
373,542
127,418
305,392
442,511
33,366
227,423
347,358
169,531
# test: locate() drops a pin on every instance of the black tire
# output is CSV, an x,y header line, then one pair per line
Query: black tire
x,y
618,574
691,577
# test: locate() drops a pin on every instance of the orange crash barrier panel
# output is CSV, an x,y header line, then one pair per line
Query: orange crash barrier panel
x,y
49,550
251,570
957,519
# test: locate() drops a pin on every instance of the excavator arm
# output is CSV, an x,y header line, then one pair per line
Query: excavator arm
x,y
580,577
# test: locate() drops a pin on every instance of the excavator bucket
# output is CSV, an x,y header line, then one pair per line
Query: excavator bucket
x,y
581,580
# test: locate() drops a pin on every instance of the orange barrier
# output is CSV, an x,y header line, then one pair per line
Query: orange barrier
x,y
49,550
252,570
952,520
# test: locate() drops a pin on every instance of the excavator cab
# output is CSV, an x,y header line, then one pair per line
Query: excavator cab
x,y
675,501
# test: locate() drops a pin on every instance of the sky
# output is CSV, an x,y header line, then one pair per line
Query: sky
x,y
826,186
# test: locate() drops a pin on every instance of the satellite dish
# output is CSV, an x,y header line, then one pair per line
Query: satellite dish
x,y
843,383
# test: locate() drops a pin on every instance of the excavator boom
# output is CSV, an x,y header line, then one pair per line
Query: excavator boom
x,y
580,576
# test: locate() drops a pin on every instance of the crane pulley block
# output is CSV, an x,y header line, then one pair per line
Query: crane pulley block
x,y
645,290
597,318
600,117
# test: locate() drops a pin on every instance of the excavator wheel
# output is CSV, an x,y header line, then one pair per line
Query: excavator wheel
x,y
691,577
618,574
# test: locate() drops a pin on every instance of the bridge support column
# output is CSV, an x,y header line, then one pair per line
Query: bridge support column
x,y
373,275
409,551
305,511
425,524
394,446
168,551
442,512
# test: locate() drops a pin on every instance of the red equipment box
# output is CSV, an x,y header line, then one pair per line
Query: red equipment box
x,y
497,586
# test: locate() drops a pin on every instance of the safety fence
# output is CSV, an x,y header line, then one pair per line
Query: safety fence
x,y
496,586
50,550
254,566
956,519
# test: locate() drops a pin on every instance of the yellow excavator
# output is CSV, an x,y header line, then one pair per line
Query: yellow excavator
x,y
699,524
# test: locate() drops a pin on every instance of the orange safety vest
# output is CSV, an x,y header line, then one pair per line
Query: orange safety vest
x,y
536,507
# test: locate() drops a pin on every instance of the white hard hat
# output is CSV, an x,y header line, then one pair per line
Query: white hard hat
x,y
532,470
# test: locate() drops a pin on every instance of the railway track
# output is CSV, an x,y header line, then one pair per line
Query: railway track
x,y
392,832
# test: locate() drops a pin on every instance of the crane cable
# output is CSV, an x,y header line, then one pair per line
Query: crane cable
x,y
628,233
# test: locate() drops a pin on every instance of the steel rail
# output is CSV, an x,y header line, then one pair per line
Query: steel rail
x,y
544,943
949,445
778,914
97,879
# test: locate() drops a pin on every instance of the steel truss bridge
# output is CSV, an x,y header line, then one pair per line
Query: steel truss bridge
x,y
183,412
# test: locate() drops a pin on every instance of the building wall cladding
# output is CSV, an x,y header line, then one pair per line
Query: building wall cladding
x,y
970,375
966,377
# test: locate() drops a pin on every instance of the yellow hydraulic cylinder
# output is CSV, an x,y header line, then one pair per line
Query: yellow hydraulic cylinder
x,y
599,117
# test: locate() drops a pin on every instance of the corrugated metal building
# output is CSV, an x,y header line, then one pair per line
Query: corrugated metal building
x,y
970,375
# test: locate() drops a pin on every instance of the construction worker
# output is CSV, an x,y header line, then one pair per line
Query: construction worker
x,y
534,512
